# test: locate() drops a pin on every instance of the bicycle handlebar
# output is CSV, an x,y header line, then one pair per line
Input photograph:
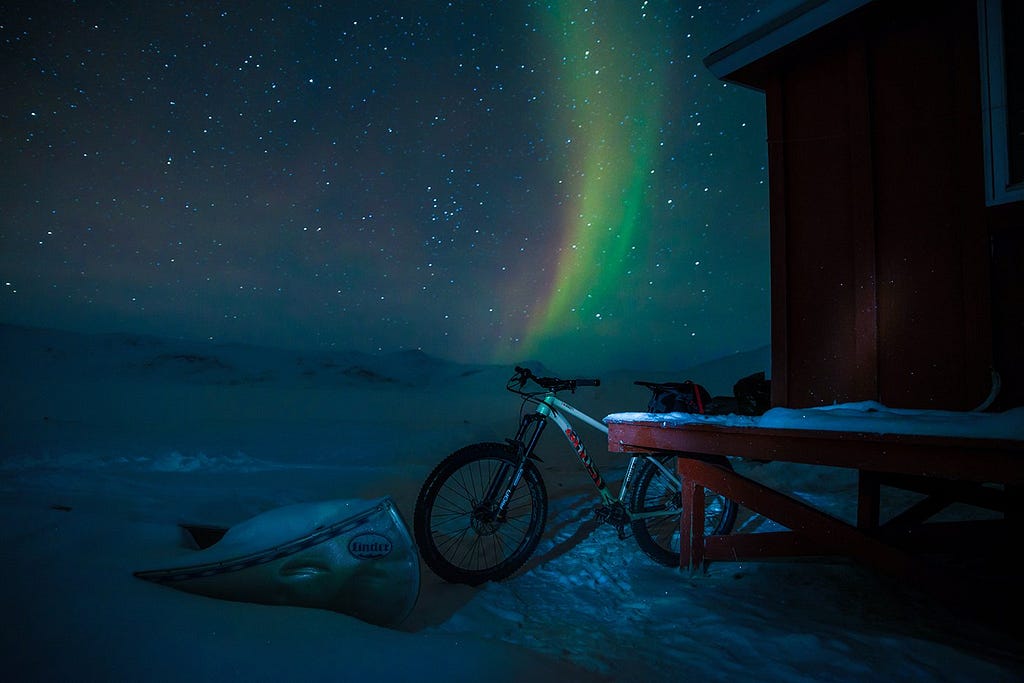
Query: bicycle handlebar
x,y
523,375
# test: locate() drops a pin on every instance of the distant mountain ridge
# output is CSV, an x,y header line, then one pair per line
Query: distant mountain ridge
x,y
81,356
27,351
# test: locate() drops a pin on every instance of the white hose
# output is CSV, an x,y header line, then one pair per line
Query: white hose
x,y
997,384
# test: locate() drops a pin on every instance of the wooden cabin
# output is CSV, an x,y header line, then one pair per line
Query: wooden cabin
x,y
896,174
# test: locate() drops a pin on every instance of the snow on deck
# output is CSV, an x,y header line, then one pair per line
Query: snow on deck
x,y
864,416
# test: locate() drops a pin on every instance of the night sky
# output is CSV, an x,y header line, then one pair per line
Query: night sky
x,y
486,181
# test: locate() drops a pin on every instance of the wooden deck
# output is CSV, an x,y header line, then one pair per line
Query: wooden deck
x,y
985,473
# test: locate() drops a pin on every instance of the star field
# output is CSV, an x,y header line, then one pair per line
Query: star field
x,y
488,182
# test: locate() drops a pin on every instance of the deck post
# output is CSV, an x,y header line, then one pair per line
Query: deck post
x,y
691,525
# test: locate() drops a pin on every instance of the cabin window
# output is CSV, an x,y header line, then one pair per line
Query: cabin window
x,y
1000,23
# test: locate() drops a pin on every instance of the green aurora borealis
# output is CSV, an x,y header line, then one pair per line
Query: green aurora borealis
x,y
609,82
562,181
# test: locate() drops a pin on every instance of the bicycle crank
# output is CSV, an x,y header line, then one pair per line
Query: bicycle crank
x,y
614,515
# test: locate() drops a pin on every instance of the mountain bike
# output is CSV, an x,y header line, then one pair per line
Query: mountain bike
x,y
481,512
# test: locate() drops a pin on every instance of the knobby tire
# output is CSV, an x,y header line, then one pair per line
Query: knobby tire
x,y
658,536
457,536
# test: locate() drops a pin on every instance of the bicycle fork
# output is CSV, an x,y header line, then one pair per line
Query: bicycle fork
x,y
502,486
612,510
531,427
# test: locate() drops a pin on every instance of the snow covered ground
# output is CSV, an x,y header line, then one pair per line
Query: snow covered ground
x,y
108,442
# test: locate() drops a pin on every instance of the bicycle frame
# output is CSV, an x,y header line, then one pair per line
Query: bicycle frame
x,y
552,408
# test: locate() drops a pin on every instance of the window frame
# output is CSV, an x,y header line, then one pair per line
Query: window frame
x,y
995,123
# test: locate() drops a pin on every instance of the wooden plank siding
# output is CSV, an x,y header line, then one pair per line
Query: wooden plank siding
x,y
885,284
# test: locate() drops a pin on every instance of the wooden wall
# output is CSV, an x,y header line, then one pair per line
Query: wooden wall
x,y
884,283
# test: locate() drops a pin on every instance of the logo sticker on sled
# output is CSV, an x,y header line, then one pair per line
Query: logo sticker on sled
x,y
370,546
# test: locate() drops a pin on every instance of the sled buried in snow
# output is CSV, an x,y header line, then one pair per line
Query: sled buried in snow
x,y
351,556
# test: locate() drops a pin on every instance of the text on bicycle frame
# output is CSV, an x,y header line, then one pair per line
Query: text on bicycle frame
x,y
581,451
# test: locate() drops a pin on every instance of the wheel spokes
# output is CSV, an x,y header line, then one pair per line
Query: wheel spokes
x,y
462,523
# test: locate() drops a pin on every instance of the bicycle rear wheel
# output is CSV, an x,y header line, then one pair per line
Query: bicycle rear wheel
x,y
655,491
459,534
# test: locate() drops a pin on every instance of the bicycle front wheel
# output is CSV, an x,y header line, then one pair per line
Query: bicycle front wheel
x,y
657,494
460,534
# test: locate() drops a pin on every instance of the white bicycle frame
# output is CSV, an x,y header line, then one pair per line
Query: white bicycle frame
x,y
552,408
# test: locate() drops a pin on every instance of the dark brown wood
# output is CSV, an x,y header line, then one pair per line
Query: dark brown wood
x,y
777,243
891,278
691,526
986,473
862,218
869,498
963,459
830,535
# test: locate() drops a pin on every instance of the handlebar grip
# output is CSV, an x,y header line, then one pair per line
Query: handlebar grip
x,y
588,382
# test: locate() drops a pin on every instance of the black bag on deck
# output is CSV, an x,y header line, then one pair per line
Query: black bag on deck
x,y
753,394
677,397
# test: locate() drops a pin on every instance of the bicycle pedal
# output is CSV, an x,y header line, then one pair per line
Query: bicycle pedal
x,y
616,515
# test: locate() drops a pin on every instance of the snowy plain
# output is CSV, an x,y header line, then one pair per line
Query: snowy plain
x,y
107,442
